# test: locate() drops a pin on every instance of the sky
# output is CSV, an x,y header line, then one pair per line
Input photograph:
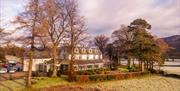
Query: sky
x,y
105,16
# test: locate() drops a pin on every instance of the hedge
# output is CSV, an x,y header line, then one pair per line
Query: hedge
x,y
104,77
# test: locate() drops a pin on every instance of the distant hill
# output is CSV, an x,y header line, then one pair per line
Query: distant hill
x,y
174,42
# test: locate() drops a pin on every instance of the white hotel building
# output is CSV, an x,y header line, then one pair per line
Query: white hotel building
x,y
85,58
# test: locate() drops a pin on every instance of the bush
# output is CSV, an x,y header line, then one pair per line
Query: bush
x,y
120,76
110,77
83,78
93,72
104,77
87,72
145,73
123,69
162,72
152,71
132,69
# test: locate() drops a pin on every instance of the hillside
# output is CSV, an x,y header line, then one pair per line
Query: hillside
x,y
174,43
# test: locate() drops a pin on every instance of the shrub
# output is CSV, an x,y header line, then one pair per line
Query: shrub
x,y
93,72
133,69
123,69
120,76
110,77
83,78
162,72
93,78
145,73
104,77
152,71
49,73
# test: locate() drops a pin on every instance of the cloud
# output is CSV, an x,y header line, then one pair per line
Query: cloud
x,y
9,9
103,16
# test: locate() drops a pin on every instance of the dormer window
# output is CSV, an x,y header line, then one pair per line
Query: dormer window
x,y
95,51
76,50
90,51
83,50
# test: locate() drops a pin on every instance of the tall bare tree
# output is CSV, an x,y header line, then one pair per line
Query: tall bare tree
x,y
101,42
2,54
28,20
75,32
54,24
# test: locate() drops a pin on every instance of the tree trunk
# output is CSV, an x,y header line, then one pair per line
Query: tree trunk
x,y
147,64
129,62
54,74
22,63
139,65
71,71
30,70
152,65
142,66
71,66
133,62
119,61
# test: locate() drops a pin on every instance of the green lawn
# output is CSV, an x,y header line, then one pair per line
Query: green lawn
x,y
18,85
48,82
146,83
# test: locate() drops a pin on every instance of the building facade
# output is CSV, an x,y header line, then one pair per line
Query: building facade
x,y
85,58
36,64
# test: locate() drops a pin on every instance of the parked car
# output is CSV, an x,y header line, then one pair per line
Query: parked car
x,y
3,70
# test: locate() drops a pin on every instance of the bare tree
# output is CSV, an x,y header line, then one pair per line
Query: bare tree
x,y
75,32
101,42
28,20
4,36
54,24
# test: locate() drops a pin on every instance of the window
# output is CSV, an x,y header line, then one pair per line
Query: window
x,y
90,51
69,57
77,57
90,57
83,50
89,66
96,66
83,57
96,57
76,50
81,67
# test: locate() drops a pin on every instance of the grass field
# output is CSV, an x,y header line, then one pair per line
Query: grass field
x,y
148,83
42,82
